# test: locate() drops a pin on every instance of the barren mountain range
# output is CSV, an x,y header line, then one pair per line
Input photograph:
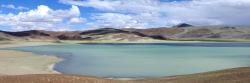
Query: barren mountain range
x,y
178,32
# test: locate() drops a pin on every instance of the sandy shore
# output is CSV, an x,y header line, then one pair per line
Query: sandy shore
x,y
20,63
8,44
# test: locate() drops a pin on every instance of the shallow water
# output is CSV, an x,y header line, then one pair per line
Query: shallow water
x,y
146,60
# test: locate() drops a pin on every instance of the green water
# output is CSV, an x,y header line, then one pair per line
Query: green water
x,y
108,60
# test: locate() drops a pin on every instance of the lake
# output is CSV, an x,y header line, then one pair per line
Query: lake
x,y
145,60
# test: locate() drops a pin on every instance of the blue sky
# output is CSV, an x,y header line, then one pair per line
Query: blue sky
x,y
16,15
32,4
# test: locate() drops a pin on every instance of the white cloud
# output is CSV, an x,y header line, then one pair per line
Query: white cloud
x,y
117,20
155,13
99,4
205,12
77,20
42,18
126,6
11,6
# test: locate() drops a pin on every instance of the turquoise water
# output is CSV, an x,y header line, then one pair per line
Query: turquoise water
x,y
145,60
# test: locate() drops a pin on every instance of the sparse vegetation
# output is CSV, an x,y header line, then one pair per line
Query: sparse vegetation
x,y
1,39
237,75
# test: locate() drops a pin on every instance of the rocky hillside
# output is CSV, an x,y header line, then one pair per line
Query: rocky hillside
x,y
178,32
197,32
102,34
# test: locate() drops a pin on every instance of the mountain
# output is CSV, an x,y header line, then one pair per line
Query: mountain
x,y
102,34
182,25
3,36
32,35
132,34
113,34
162,33
198,32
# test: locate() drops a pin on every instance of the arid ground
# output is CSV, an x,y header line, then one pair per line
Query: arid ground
x,y
237,75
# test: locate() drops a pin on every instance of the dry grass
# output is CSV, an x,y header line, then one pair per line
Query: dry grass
x,y
238,75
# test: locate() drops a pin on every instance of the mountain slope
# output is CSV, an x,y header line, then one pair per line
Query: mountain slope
x,y
197,32
102,34
131,34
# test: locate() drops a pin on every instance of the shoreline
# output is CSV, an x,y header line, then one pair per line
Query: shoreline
x,y
148,42
51,66
27,63
10,44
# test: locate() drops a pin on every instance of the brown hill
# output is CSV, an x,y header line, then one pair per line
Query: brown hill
x,y
103,34
32,35
162,33
98,34
197,32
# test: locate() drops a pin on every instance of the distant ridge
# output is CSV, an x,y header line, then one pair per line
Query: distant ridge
x,y
181,25
132,34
